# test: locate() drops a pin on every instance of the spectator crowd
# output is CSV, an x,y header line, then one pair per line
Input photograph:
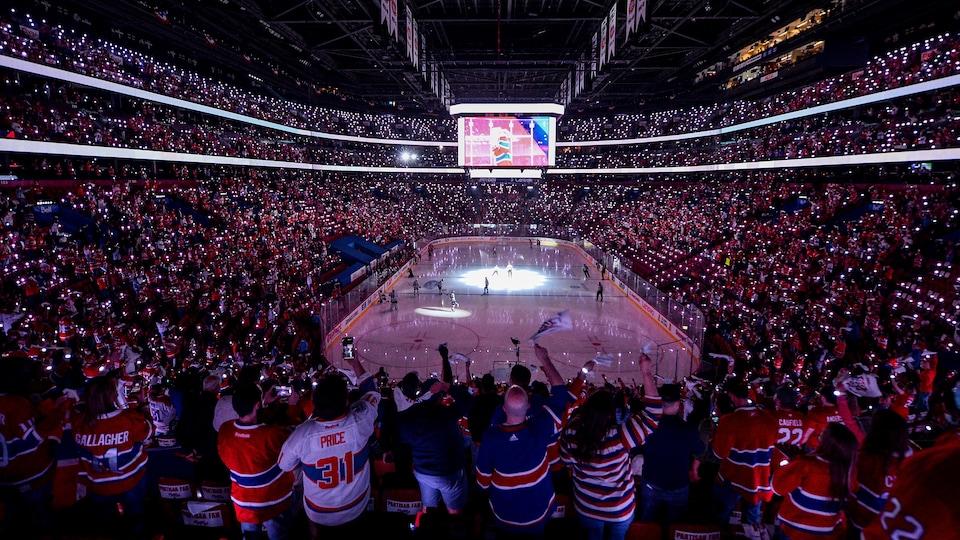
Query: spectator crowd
x,y
168,336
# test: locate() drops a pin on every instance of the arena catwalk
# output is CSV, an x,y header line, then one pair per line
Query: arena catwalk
x,y
528,283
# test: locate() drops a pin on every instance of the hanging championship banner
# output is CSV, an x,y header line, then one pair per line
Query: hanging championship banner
x,y
593,55
416,44
393,24
423,51
612,32
603,43
631,18
581,74
409,33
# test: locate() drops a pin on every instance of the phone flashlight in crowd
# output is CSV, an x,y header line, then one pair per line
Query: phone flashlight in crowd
x,y
284,391
347,343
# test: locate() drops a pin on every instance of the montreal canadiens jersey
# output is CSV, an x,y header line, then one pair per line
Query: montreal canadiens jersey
x,y
26,446
112,454
744,442
809,510
163,414
333,456
875,477
259,488
790,427
817,420
923,502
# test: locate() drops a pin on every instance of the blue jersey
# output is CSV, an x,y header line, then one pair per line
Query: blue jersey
x,y
513,465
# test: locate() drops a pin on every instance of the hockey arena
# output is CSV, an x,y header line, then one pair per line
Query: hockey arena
x,y
479,270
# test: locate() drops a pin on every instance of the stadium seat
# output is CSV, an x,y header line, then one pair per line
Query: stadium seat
x,y
401,500
688,531
643,530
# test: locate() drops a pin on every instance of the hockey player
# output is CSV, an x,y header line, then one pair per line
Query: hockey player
x,y
453,301
509,270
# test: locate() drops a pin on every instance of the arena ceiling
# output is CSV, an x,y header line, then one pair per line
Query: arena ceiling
x,y
518,50
522,50
503,50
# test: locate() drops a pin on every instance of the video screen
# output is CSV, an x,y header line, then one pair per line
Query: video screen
x,y
506,141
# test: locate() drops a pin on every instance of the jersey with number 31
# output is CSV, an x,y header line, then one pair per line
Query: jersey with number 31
x,y
333,456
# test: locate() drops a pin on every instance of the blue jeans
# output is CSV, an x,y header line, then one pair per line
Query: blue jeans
x,y
277,528
605,530
663,504
922,404
452,488
727,499
105,507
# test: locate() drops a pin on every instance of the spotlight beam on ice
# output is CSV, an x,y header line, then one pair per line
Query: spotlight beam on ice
x,y
522,279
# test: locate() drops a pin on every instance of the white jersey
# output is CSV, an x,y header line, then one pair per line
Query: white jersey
x,y
163,414
333,456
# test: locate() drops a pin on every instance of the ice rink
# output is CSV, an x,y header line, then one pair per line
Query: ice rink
x,y
545,280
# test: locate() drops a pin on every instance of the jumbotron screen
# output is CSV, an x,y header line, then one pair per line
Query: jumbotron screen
x,y
506,141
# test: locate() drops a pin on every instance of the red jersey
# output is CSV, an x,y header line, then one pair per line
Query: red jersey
x,y
260,490
874,480
816,422
27,446
900,404
790,427
809,509
923,502
928,375
744,443
112,457
789,436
